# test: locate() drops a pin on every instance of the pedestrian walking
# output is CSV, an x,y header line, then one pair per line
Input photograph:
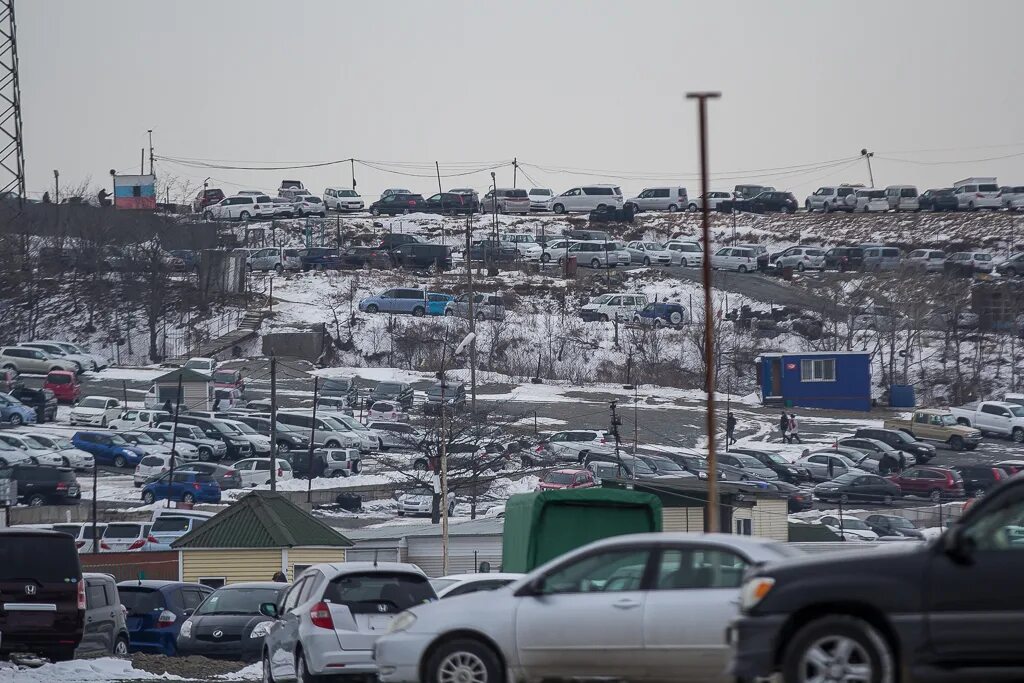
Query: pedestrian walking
x,y
730,427
903,461
784,426
168,408
794,429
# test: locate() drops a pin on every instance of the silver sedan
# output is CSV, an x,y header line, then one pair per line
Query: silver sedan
x,y
649,254
643,606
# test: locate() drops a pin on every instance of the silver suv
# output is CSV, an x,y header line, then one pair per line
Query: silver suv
x,y
33,361
331,617
599,254
485,307
833,198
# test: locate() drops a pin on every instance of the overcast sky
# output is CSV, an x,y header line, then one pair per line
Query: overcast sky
x,y
564,85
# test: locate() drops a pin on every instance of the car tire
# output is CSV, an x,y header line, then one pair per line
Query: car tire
x,y
120,462
676,318
672,208
595,264
120,648
420,465
647,261
844,499
64,462
332,444
956,443
1018,435
283,447
464,659
888,500
36,500
935,495
418,312
148,497
558,208
800,267
372,308
741,269
546,258
244,216
188,498
15,420
860,638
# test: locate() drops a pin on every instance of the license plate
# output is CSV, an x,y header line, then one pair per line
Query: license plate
x,y
379,623
73,490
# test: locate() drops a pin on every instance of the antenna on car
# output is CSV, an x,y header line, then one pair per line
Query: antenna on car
x,y
375,558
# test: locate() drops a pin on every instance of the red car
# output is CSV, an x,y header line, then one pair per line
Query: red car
x,y
567,479
936,483
225,378
64,385
205,198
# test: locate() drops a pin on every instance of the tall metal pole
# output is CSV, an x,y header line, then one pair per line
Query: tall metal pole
x,y
174,436
472,321
437,167
352,164
273,422
150,131
711,523
12,150
867,157
312,438
515,171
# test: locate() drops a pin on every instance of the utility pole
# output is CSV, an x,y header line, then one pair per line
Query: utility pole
x,y
867,157
615,432
352,163
515,171
636,423
150,131
472,321
273,423
142,160
56,186
174,439
12,150
711,516
312,438
437,167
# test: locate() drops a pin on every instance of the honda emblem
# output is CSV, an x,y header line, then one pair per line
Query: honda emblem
x,y
30,589
382,607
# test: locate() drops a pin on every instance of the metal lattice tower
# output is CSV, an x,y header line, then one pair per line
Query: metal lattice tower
x,y
12,152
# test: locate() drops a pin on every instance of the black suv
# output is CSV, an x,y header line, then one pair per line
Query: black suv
x,y
901,441
787,471
449,203
238,447
947,610
391,240
421,255
43,401
42,485
844,258
454,395
979,479
771,202
288,439
395,204
44,594
339,387
397,392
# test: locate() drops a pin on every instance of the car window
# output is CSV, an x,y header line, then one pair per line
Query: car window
x,y
379,592
292,599
192,597
999,530
605,571
694,568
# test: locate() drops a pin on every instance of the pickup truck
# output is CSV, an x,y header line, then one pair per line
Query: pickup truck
x,y
938,425
998,417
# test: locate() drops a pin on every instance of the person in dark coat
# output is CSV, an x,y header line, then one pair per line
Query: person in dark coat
x,y
784,426
168,408
903,461
279,577
886,464
730,427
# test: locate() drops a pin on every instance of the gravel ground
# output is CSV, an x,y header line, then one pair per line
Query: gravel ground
x,y
192,667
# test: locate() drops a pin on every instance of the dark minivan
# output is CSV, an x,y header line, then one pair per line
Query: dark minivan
x,y
44,485
43,594
423,255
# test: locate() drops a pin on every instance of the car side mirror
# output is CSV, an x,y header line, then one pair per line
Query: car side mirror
x,y
269,609
958,545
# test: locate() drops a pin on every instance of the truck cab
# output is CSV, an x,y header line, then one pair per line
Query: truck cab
x,y
998,417
938,425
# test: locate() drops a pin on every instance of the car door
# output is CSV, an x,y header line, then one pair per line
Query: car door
x,y
817,465
693,597
284,636
245,471
586,617
974,614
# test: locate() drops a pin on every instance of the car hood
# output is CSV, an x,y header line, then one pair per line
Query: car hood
x,y
79,410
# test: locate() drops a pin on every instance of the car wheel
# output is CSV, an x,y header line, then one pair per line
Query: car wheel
x,y
825,207
372,308
205,454
207,216
120,462
103,422
283,447
3,462
188,498
888,500
36,500
15,420
595,264
676,318
647,261
742,269
692,207
332,444
451,508
800,267
838,647
244,216
672,208
64,462
935,495
420,465
302,674
120,648
956,443
279,268
464,661
374,211
558,208
1018,435
546,258
418,312
267,674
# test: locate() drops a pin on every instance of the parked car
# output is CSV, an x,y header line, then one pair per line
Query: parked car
x,y
37,453
448,203
936,483
926,260
153,465
423,255
713,200
150,446
967,263
121,537
785,470
526,244
228,624
419,501
902,198
43,401
320,258
256,471
470,198
619,306
240,207
45,485
397,434
995,417
941,199
239,445
937,425
506,200
556,250
184,486
451,395
874,449
540,198
324,430
24,360
326,462
880,258
1011,266
685,254
108,448
571,446
364,257
12,455
750,468
832,198
648,253
342,200
156,611
206,448
1012,197
278,259
980,479
61,449
95,411
106,630
553,623
892,525
844,258
858,487
205,198
14,412
399,203
566,479
801,259
977,193
847,527
396,392
82,361
64,385
935,609
388,411
765,202
47,561
170,524
587,198
598,254
227,478
826,465
669,199
412,301
659,314
739,259
462,584
871,200
485,306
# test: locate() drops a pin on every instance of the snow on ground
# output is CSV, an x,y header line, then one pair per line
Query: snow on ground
x,y
81,671
253,672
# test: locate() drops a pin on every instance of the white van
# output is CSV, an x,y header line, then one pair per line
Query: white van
x,y
621,306
669,199
342,199
902,198
871,200
977,193
587,198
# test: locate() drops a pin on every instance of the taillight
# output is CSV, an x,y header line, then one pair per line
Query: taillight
x,y
62,486
320,615
997,473
230,473
81,594
152,539
137,544
166,619
196,486
280,472
104,546
79,544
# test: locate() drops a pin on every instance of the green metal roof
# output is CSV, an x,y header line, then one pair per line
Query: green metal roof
x,y
262,519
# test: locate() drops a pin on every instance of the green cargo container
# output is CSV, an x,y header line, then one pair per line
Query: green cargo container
x,y
541,526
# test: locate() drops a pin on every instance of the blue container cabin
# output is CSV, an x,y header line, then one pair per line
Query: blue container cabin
x,y
836,380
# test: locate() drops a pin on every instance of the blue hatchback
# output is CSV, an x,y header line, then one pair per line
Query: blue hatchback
x,y
156,611
662,313
108,448
14,411
436,303
188,487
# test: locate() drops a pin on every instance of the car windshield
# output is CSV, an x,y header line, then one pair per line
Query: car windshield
x,y
559,478
118,439
948,420
379,592
93,402
749,461
33,443
347,193
778,459
242,428
448,389
1016,411
901,523
603,299
388,388
440,584
238,601
651,246
143,439
197,364
37,558
847,478
224,376
337,385
665,465
352,423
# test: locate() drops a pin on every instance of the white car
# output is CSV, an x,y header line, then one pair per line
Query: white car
x,y
539,198
201,364
832,198
33,450
95,411
83,361
153,465
397,434
620,306
454,585
342,199
587,198
852,528
62,447
260,444
555,250
927,260
256,471
632,607
99,362
684,253
240,207
525,244
138,419
283,207
740,259
801,259
12,455
420,501
573,445
388,411
308,205
648,254
1012,198
150,446
871,201
368,440
122,537
713,200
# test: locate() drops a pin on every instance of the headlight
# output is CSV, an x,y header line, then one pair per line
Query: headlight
x,y
186,629
755,590
702,475
403,622
261,629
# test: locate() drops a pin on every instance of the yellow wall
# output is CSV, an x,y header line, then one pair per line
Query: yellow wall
x,y
234,564
312,556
